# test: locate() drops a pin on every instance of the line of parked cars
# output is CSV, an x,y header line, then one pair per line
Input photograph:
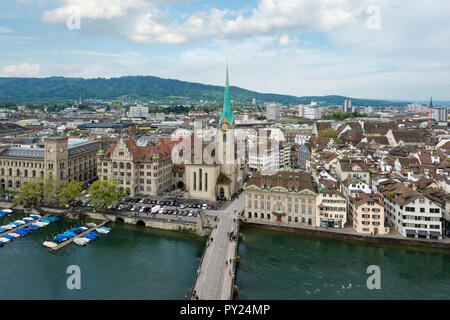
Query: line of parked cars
x,y
150,206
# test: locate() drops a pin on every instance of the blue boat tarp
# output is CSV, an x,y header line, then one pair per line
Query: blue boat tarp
x,y
2,229
70,234
46,220
33,226
105,228
9,237
34,217
14,224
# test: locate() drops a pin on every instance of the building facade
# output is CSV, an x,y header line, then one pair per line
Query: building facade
x,y
331,209
144,170
366,212
61,159
285,197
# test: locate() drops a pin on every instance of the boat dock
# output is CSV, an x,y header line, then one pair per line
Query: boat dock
x,y
23,225
65,243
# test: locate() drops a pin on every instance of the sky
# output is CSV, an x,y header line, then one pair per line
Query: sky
x,y
386,49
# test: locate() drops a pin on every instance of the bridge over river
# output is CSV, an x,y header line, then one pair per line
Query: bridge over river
x,y
215,277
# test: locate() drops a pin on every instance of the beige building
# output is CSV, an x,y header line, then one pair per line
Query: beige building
x,y
144,170
285,197
367,214
66,160
331,209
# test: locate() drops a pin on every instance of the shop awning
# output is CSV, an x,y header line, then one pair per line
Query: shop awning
x,y
412,232
423,233
435,234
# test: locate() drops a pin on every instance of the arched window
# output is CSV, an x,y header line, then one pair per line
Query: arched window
x,y
114,165
303,220
262,215
296,219
309,221
25,173
42,173
128,166
268,216
289,219
122,166
10,183
249,214
256,214
10,172
34,173
3,171
18,172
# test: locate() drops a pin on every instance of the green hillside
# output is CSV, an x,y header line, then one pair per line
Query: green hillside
x,y
60,89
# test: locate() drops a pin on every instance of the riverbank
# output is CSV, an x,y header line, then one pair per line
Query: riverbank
x,y
338,234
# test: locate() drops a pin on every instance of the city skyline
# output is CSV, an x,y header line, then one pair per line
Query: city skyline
x,y
295,47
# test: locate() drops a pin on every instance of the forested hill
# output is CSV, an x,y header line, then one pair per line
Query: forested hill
x,y
59,89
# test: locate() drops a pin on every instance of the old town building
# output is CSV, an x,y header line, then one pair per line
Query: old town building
x,y
60,158
144,170
286,197
366,212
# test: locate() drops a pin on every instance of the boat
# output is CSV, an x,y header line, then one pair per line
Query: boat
x,y
99,230
7,210
20,221
91,224
15,235
81,241
5,240
49,244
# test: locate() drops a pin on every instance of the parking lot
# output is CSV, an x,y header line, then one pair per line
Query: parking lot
x,y
160,208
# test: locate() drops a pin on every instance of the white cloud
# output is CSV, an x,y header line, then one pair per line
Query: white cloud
x,y
143,21
286,41
5,30
21,70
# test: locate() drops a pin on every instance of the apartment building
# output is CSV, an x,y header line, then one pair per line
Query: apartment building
x,y
331,208
353,169
411,213
366,212
285,197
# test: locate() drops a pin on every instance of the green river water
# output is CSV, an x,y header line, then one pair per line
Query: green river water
x,y
140,263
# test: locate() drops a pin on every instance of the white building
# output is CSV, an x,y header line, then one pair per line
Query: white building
x,y
440,114
411,213
312,111
273,111
138,112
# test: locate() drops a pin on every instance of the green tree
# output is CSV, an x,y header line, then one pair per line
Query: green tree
x,y
70,193
103,193
30,193
330,133
51,189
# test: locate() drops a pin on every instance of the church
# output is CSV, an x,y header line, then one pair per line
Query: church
x,y
222,177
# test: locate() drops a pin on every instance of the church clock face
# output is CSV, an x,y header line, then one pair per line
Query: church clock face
x,y
61,150
50,150
224,126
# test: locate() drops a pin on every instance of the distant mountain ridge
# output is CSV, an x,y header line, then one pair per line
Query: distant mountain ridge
x,y
61,89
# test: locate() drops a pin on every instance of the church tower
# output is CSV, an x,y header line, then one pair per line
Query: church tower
x,y
226,116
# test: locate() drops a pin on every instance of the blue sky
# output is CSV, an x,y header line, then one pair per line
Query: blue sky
x,y
370,49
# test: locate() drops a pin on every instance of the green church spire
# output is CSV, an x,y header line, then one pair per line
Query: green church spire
x,y
227,112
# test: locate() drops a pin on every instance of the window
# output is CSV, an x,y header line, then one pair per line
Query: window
x,y
200,176
195,180
206,181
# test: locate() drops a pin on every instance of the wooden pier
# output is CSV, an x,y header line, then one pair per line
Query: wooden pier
x,y
65,243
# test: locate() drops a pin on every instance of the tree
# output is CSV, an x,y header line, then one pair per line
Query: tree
x,y
70,193
103,193
30,193
330,133
51,189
